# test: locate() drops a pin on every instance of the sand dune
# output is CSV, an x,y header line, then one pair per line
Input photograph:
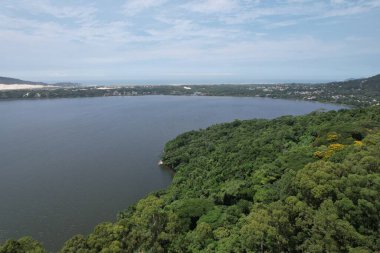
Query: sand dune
x,y
23,86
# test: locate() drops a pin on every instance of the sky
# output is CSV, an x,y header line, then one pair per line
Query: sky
x,y
189,41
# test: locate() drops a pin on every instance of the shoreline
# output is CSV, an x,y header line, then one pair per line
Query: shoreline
x,y
29,87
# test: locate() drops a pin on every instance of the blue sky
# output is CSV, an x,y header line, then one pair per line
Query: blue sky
x,y
210,41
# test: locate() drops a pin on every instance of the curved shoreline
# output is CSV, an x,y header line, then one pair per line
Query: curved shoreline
x,y
206,99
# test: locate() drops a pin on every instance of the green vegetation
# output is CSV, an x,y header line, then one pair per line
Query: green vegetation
x,y
358,92
293,184
23,245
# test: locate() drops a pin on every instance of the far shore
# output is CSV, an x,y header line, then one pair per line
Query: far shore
x,y
24,86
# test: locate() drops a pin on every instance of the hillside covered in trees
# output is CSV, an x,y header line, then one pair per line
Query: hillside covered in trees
x,y
293,184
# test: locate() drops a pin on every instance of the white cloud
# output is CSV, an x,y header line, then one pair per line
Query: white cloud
x,y
190,30
77,38
133,7
80,13
337,1
239,12
282,24
212,6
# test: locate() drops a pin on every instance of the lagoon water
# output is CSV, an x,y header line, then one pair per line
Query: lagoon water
x,y
68,164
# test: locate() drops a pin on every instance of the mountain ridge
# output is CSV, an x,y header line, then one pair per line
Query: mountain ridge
x,y
10,80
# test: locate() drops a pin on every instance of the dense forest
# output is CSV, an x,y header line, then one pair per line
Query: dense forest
x,y
293,184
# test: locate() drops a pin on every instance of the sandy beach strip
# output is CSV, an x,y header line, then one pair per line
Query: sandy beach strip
x,y
23,86
106,88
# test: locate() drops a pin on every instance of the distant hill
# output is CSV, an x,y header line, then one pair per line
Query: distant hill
x,y
8,80
370,84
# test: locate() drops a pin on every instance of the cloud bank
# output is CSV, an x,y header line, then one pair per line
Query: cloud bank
x,y
189,41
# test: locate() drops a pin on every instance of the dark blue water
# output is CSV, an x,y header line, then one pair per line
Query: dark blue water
x,y
68,164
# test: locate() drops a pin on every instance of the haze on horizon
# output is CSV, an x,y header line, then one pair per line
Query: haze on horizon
x,y
219,41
